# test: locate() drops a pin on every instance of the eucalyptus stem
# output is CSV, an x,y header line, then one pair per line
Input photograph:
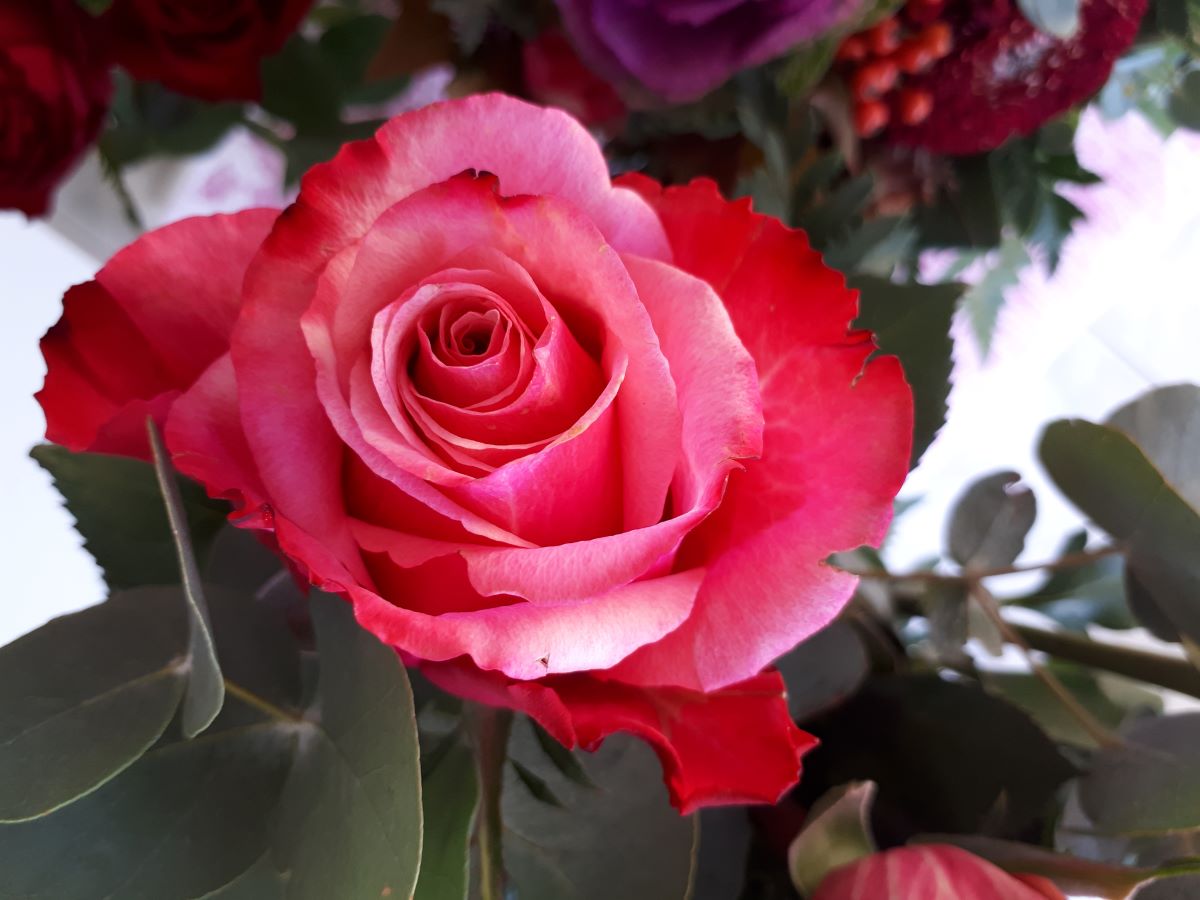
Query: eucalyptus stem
x,y
1069,561
1093,726
1130,662
262,705
489,729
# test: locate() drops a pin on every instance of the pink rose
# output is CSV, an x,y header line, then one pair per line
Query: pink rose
x,y
572,447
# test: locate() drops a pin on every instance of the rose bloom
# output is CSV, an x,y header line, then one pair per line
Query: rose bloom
x,y
682,49
930,872
54,92
554,75
211,49
574,448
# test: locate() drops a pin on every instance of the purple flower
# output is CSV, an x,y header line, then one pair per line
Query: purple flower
x,y
681,49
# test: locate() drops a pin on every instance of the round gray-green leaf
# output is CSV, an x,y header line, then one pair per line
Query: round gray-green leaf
x,y
84,696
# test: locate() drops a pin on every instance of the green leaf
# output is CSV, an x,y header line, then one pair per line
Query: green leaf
x,y
205,692
966,214
302,85
947,756
824,670
187,819
1149,783
1165,424
807,65
296,807
1057,18
984,300
725,838
836,833
1103,472
1031,694
622,840
989,522
566,761
912,322
118,510
350,816
450,795
84,696
1084,595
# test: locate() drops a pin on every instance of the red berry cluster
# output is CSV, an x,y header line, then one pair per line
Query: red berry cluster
x,y
875,62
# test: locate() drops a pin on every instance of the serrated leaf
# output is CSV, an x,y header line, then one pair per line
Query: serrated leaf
x,y
836,833
118,510
622,840
84,696
205,692
912,322
989,522
450,795
984,300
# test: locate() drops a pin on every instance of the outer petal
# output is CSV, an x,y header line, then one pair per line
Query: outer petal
x,y
927,872
144,330
836,445
735,746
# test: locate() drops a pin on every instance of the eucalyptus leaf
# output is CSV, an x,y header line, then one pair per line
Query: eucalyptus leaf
x,y
84,696
450,795
1149,783
292,806
205,692
989,522
621,839
824,670
1105,474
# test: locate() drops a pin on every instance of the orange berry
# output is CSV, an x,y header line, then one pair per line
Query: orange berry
x,y
853,49
914,56
883,38
938,38
874,79
914,106
870,118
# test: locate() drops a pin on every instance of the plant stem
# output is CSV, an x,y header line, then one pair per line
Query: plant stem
x,y
1093,726
1142,665
1070,561
489,729
264,706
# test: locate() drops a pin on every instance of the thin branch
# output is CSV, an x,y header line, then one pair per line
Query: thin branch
x,y
1141,665
1070,561
1093,726
264,706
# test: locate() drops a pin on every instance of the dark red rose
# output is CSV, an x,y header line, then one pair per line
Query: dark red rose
x,y
54,91
211,49
555,75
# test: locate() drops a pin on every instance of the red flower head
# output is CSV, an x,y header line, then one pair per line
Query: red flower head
x,y
962,76
210,49
54,92
555,75
574,447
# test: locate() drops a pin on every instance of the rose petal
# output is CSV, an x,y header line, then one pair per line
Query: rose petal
x,y
924,872
153,319
835,451
732,747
